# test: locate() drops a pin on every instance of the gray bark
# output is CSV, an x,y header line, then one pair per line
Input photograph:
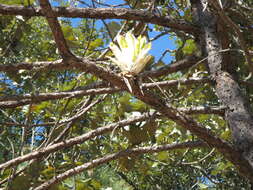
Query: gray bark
x,y
238,113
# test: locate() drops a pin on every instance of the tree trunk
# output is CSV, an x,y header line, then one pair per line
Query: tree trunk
x,y
238,114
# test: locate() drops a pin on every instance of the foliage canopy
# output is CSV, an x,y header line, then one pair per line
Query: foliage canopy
x,y
66,110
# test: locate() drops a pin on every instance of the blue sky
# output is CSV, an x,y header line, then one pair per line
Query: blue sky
x,y
158,46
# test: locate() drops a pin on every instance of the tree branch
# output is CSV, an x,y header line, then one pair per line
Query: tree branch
x,y
61,65
171,113
73,141
238,113
102,13
171,68
56,28
237,30
15,101
219,110
114,156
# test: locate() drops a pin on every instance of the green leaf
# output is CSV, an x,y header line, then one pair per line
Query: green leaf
x,y
96,43
17,2
202,186
21,182
189,47
162,156
96,184
113,27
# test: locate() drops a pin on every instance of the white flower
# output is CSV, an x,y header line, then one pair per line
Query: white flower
x,y
131,54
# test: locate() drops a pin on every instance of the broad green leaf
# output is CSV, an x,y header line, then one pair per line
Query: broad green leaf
x,y
162,156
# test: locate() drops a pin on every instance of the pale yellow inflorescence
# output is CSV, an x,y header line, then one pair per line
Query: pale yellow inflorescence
x,y
131,54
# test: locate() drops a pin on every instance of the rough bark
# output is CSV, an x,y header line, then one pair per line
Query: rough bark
x,y
20,100
238,114
56,29
102,13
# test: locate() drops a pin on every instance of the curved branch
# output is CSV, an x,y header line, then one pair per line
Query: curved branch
x,y
171,113
219,110
60,65
102,13
15,101
114,156
56,28
73,141
185,63
230,152
89,135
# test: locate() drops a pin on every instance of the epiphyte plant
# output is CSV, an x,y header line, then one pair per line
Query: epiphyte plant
x,y
131,53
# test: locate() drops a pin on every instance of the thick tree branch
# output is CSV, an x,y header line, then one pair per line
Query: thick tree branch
x,y
171,83
78,63
15,101
60,65
102,13
73,141
171,68
238,114
87,136
188,123
163,107
56,28
223,79
219,110
35,66
114,156
237,30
